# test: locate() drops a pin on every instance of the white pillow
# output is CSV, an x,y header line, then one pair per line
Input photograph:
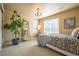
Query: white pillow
x,y
75,32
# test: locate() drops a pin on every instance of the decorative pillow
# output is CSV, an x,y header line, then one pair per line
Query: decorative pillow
x,y
77,37
75,32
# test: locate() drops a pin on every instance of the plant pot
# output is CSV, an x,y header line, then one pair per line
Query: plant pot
x,y
15,41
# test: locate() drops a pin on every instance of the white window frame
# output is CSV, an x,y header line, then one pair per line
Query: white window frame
x,y
48,24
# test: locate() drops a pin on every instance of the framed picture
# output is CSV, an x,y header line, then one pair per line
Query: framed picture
x,y
69,23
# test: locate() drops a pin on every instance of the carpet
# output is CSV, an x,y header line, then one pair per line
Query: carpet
x,y
28,48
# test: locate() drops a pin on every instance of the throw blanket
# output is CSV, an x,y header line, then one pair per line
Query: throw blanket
x,y
43,39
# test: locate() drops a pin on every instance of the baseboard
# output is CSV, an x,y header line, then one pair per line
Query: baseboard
x,y
6,43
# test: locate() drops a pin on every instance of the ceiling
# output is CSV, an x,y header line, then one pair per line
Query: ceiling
x,y
45,8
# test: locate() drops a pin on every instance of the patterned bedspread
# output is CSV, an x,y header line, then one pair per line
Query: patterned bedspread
x,y
65,42
61,41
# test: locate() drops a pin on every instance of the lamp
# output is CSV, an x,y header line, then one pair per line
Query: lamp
x,y
38,27
38,13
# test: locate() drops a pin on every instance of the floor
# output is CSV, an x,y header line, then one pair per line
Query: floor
x,y
28,48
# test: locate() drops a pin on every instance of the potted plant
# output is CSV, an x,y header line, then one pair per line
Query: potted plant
x,y
15,26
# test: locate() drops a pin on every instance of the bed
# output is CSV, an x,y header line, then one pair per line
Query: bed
x,y
65,44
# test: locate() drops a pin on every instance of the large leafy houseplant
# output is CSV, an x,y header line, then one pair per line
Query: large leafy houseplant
x,y
15,25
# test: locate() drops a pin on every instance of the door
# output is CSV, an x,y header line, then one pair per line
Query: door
x,y
0,30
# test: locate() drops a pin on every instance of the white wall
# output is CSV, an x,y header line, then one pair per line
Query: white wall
x,y
0,31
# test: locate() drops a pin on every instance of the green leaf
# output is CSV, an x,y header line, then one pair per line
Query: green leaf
x,y
15,11
7,26
18,15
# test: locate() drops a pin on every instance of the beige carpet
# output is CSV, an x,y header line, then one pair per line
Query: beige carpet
x,y
28,48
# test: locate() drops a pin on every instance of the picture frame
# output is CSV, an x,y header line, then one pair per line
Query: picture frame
x,y
70,23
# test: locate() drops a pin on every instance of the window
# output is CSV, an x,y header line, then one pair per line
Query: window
x,y
51,26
